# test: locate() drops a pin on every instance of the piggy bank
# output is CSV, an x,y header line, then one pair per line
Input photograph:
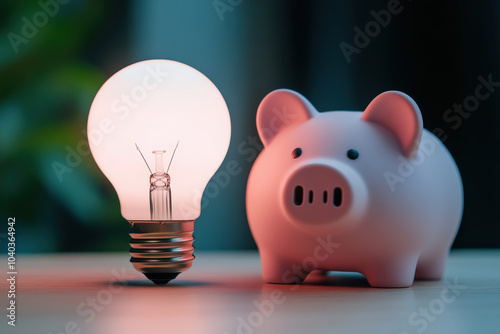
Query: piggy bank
x,y
369,192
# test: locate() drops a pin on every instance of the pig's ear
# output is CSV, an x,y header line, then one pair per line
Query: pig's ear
x,y
279,109
398,113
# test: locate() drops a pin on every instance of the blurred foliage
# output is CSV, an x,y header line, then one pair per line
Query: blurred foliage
x,y
47,86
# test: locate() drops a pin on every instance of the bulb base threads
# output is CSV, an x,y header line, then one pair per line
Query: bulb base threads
x,y
161,250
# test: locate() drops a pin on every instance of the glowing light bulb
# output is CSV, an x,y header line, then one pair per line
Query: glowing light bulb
x,y
143,115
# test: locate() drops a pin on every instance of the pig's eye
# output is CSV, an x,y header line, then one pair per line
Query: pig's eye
x,y
352,154
297,152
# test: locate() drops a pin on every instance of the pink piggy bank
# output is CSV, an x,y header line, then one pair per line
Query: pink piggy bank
x,y
370,192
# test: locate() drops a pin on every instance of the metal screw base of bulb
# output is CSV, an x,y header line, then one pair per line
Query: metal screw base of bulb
x,y
161,250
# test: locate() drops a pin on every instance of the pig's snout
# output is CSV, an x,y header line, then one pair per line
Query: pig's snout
x,y
323,192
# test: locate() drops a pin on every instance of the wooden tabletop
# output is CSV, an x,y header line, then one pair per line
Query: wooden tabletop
x,y
224,293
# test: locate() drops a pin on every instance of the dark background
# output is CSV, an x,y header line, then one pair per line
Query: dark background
x,y
433,51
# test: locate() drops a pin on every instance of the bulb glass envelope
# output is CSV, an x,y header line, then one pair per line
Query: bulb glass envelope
x,y
157,104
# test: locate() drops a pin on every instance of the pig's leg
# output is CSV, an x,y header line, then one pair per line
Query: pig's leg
x,y
391,273
321,272
431,266
276,270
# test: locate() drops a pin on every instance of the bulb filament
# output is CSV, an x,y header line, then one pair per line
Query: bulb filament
x,y
160,192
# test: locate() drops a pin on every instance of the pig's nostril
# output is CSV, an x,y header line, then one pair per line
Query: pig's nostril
x,y
325,196
310,196
337,196
298,195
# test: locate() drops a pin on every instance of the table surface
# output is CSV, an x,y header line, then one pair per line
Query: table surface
x,y
224,293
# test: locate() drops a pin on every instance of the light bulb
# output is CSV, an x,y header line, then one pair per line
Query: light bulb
x,y
159,130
